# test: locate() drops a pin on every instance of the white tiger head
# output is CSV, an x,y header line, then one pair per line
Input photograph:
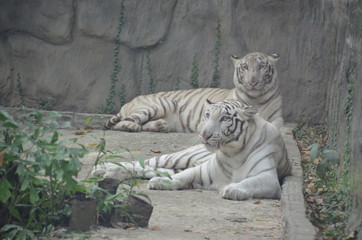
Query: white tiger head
x,y
255,73
225,123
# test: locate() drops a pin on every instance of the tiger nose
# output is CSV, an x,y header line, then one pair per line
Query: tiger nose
x,y
206,136
253,82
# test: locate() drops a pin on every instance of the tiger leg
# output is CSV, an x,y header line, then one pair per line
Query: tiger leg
x,y
125,170
160,125
148,111
262,185
122,170
186,179
127,126
171,164
187,158
204,176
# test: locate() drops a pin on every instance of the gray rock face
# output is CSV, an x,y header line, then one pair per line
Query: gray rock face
x,y
63,50
51,21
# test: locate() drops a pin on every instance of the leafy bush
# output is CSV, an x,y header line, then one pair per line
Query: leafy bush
x,y
37,176
326,188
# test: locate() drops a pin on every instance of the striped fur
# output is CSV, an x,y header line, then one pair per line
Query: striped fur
x,y
256,83
242,156
250,156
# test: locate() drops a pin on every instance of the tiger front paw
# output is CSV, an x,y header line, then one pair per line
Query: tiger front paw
x,y
110,170
127,126
232,192
162,183
159,125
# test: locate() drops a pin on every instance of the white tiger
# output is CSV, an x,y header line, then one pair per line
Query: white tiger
x,y
249,156
256,83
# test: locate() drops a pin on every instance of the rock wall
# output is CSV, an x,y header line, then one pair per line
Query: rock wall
x,y
63,49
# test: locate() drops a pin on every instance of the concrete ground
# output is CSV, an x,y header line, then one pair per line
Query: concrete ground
x,y
187,214
196,214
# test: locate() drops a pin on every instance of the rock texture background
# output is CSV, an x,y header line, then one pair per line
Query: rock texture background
x,y
63,52
63,49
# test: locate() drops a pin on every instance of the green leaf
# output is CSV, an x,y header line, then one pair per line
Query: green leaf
x,y
145,196
4,116
7,227
114,157
4,190
88,120
37,115
13,234
163,174
322,169
141,161
55,137
112,197
75,164
314,150
118,164
54,114
33,196
10,124
24,184
331,156
102,145
36,133
15,213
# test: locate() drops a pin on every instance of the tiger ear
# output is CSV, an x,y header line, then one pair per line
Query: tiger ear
x,y
234,58
248,111
274,57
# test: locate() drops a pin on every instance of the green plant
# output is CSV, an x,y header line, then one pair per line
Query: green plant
x,y
37,175
177,84
118,201
109,106
46,105
152,88
216,73
326,192
122,95
20,89
140,77
195,73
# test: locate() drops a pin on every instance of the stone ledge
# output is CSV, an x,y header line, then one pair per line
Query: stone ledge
x,y
297,225
76,120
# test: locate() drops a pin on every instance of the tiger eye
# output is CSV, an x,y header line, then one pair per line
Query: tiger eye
x,y
225,119
262,65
